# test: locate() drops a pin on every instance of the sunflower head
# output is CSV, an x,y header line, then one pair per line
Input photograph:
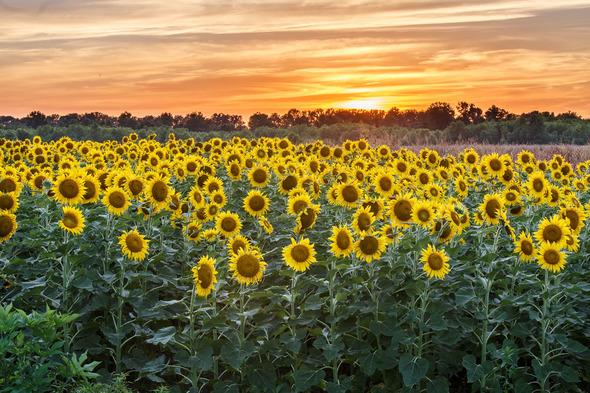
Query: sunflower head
x,y
72,221
342,243
256,203
228,224
435,262
524,247
134,245
369,247
299,255
551,258
247,266
204,276
8,225
68,190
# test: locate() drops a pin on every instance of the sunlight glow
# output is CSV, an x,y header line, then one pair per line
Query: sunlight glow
x,y
363,103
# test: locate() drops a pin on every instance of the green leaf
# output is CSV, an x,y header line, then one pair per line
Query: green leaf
x,y
203,361
570,375
413,369
234,355
438,385
463,296
162,336
473,370
306,378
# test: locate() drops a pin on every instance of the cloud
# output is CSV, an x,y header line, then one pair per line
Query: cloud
x,y
244,56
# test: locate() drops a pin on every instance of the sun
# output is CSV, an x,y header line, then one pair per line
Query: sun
x,y
363,103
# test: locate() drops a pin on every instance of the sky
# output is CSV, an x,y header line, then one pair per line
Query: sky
x,y
240,57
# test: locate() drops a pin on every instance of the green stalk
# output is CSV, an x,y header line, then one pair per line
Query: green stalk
x,y
544,328
66,272
333,302
423,306
192,335
484,330
119,317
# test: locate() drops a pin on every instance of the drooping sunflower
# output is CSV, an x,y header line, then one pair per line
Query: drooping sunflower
x,y
8,225
204,276
116,200
72,221
576,217
369,247
68,190
491,208
307,218
247,266
435,262
256,203
551,258
299,255
342,243
193,231
362,220
134,245
553,230
228,224
266,225
524,247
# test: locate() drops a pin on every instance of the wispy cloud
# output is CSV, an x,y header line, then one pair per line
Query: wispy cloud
x,y
242,56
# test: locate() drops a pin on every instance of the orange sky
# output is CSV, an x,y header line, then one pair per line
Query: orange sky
x,y
145,56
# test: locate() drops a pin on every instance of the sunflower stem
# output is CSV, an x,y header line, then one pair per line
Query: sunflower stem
x,y
485,335
544,328
66,272
119,317
333,301
423,306
192,334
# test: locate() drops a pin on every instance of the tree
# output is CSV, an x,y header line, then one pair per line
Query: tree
x,y
439,115
165,119
495,113
469,113
35,119
126,119
258,120
196,121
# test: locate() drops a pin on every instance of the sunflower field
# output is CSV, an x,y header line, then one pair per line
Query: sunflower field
x,y
267,266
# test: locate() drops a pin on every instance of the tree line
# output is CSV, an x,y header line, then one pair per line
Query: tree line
x,y
464,122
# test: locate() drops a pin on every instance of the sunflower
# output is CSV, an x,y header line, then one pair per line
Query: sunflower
x,y
298,203
204,276
68,190
8,202
342,241
553,230
524,247
10,183
72,221
266,225
92,189
288,183
307,218
551,258
491,208
256,203
362,220
8,225
228,224
193,231
116,200
400,209
575,216
435,262
196,197
237,243
135,185
369,247
134,245
384,183
349,194
537,185
258,176
299,255
158,193
423,213
247,266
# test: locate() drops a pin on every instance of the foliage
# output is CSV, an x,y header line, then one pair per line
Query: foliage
x,y
32,352
493,323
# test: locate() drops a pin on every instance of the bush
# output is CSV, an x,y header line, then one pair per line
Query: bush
x,y
32,354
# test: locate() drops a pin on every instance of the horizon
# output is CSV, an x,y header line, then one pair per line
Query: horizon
x,y
149,57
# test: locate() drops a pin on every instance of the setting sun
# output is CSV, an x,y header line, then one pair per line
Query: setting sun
x,y
363,103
